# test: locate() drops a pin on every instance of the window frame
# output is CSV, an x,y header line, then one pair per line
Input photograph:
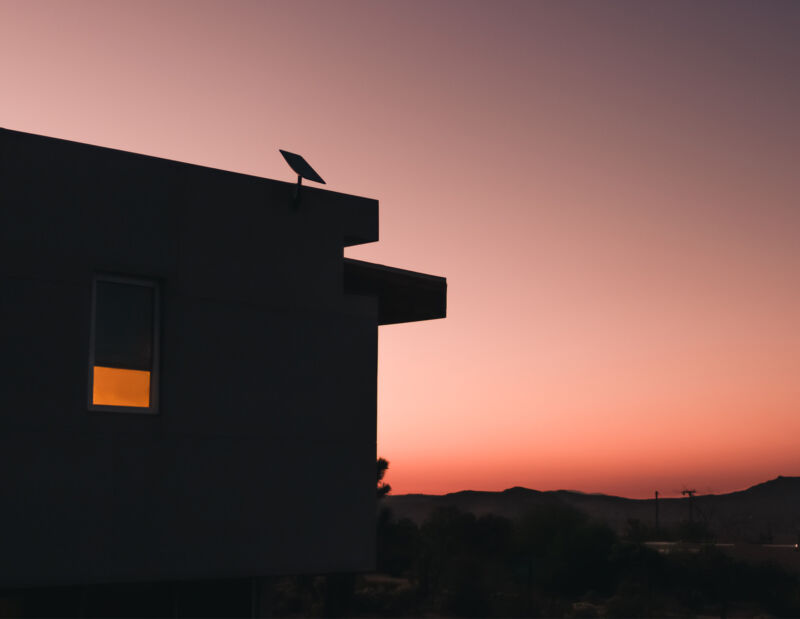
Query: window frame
x,y
153,409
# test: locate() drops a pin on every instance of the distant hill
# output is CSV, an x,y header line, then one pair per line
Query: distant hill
x,y
767,512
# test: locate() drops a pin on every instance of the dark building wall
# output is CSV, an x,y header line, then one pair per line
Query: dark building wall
x,y
262,456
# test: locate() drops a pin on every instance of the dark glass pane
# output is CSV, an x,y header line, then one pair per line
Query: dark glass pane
x,y
124,326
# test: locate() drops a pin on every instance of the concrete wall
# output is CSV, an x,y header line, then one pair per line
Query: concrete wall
x,y
262,457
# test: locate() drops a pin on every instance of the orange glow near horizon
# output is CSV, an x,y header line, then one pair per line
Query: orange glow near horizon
x,y
118,387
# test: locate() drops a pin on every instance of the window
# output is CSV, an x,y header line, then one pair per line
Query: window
x,y
123,351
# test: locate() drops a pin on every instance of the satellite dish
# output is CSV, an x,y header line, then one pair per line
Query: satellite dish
x,y
303,170
301,167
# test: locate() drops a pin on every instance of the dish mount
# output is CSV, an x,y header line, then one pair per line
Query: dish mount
x,y
303,170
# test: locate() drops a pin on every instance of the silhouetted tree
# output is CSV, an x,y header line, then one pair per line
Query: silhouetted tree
x,y
340,588
383,488
397,544
563,552
553,561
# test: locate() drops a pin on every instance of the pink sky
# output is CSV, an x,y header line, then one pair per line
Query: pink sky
x,y
610,188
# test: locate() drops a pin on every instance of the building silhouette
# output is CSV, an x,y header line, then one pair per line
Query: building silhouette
x,y
189,364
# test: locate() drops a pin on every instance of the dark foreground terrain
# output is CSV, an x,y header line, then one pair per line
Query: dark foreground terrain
x,y
543,558
556,561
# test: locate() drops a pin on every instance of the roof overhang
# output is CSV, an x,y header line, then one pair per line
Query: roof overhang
x,y
403,296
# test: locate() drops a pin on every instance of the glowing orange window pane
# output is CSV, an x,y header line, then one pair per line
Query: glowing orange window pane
x,y
117,387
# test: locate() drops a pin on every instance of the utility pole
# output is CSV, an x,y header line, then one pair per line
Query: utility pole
x,y
657,527
690,493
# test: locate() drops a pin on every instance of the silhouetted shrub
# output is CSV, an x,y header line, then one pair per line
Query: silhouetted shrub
x,y
555,561
397,545
563,552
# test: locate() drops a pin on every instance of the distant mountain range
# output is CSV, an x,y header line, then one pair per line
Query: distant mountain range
x,y
768,512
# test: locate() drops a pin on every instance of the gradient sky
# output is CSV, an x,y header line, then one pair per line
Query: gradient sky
x,y
611,189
